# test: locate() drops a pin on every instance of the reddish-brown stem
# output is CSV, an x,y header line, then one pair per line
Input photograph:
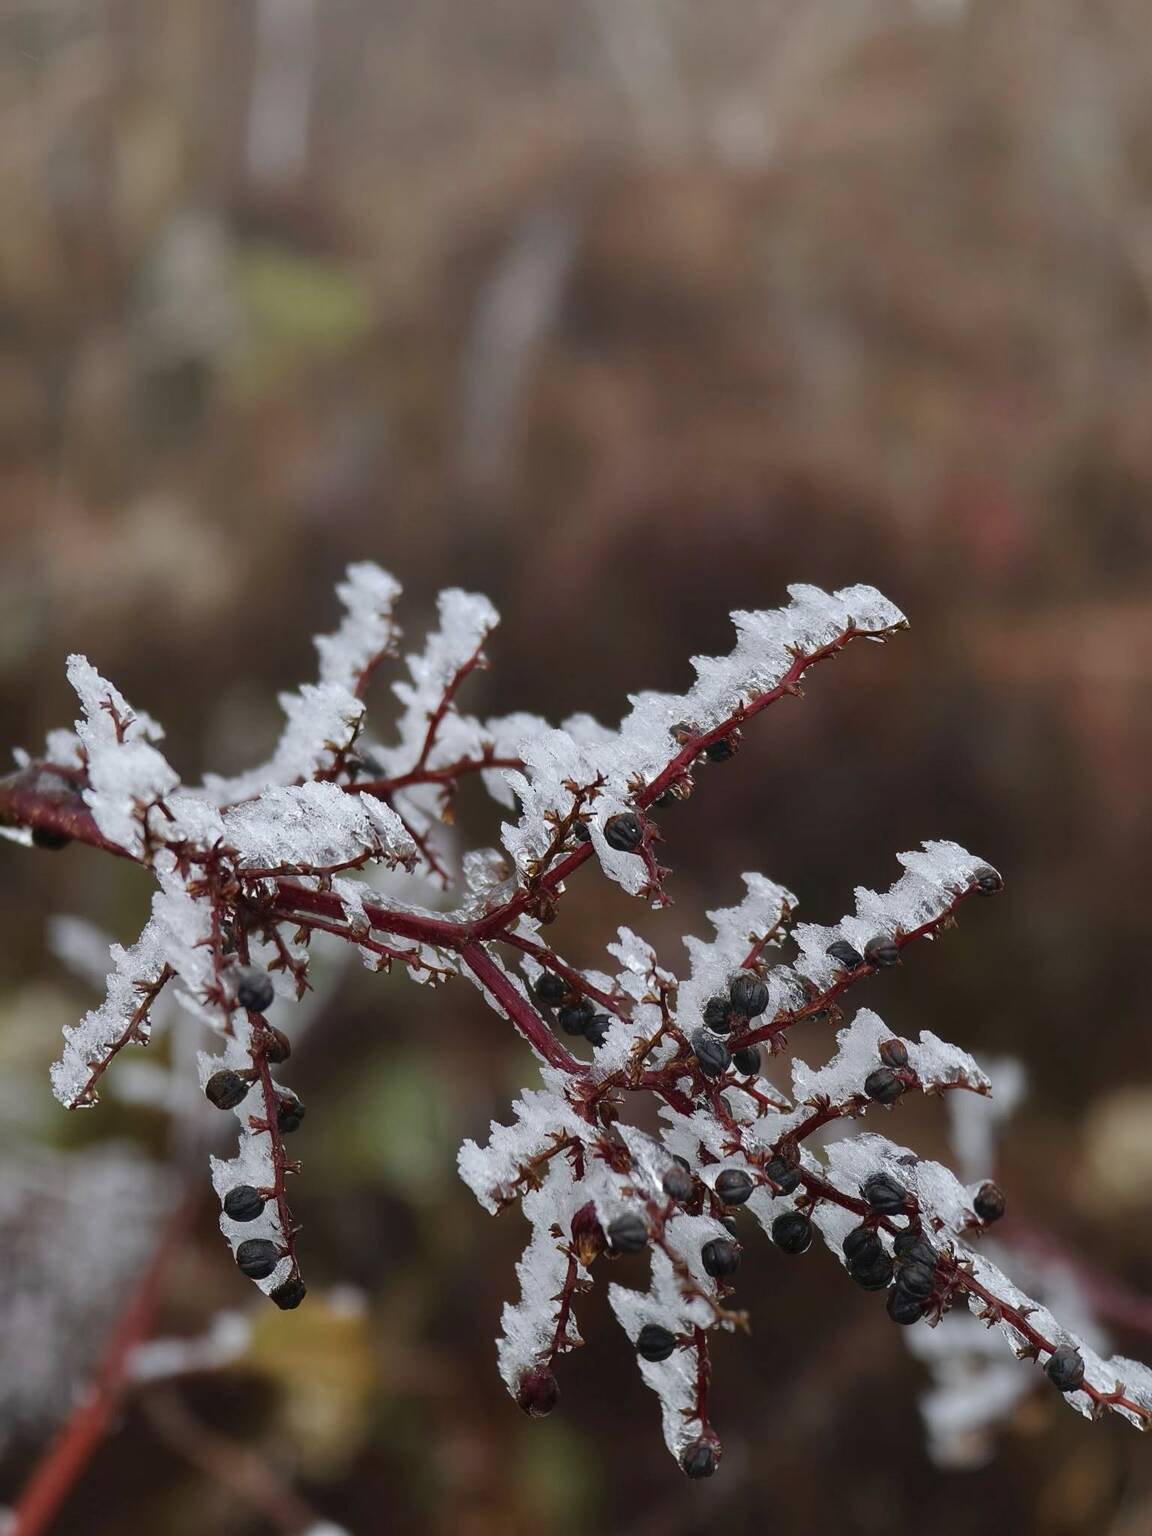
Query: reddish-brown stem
x,y
552,962
436,717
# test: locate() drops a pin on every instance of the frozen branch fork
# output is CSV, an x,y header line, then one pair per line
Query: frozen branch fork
x,y
247,870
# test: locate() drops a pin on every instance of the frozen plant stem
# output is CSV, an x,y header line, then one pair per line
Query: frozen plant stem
x,y
248,869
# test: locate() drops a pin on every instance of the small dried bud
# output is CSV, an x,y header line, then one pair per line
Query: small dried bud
x,y
226,1089
257,1258
884,1086
580,832
712,1055
987,881
628,1233
587,1234
624,832
749,994
243,1203
539,1392
720,1258
792,1232
733,1186
289,1293
845,955
721,750
655,1343
1065,1368
289,1113
989,1203
882,952
894,1053
277,1046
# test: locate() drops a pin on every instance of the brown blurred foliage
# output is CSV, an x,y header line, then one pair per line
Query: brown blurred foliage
x,y
627,312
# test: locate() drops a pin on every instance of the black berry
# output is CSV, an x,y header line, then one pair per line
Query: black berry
x,y
243,1203
882,952
539,1393
884,1194
277,1046
574,1018
226,1089
257,1258
254,989
914,1248
550,988
862,1244
845,955
749,994
580,832
596,1029
48,837
718,1015
734,1186
989,1203
289,1113
1065,1368
785,1177
699,1460
792,1232
713,1055
624,832
884,1086
678,1183
628,1233
987,881
874,1275
654,1343
747,1060
720,751
720,1258
905,1308
894,1053
917,1279
289,1293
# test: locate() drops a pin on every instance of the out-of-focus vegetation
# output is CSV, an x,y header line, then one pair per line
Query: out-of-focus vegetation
x,y
626,312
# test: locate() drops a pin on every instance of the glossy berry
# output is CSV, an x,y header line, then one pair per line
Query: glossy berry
x,y
628,1233
720,1258
845,955
289,1113
875,1275
882,952
624,832
894,1053
48,837
917,1279
226,1089
989,1203
596,1029
903,1307
729,1225
699,1460
655,1343
884,1086
884,1194
678,1183
862,1244
747,1060
254,989
914,1248
718,1015
257,1258
574,1018
289,1293
785,1177
550,989
986,881
243,1203
712,1055
749,994
1065,1368
277,1046
792,1232
733,1186
539,1393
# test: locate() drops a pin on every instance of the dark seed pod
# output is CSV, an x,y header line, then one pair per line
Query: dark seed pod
x,y
257,1258
539,1393
254,989
792,1232
720,1258
884,1194
873,1276
655,1343
749,994
678,1183
729,1225
624,832
550,989
862,1244
882,952
243,1203
914,1248
903,1307
277,1046
723,749
289,1293
713,1055
48,837
580,832
917,1279
574,1018
699,1460
628,1233
987,881
733,1186
718,1015
289,1113
894,1053
226,1089
747,1060
785,1177
845,955
596,1029
989,1203
1065,1368
884,1086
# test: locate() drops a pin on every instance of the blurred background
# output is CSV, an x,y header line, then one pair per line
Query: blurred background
x,y
626,312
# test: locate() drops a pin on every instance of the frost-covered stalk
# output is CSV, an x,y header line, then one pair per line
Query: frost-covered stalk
x,y
248,869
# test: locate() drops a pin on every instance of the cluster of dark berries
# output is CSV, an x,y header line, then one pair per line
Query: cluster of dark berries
x,y
746,998
575,1014
888,1082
